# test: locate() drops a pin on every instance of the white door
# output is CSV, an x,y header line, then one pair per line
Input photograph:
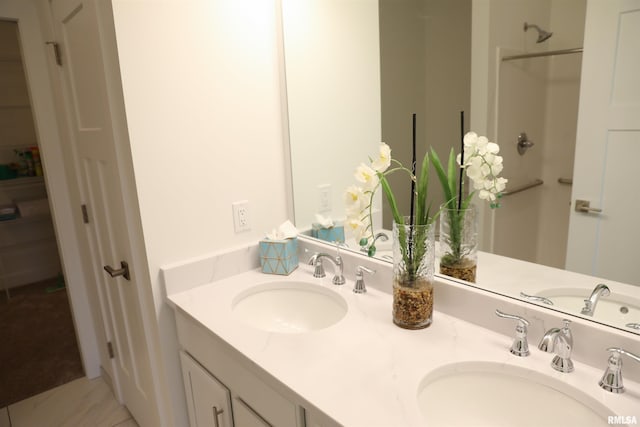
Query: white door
x,y
84,89
605,243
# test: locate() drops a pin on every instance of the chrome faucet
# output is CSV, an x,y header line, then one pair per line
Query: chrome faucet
x,y
520,346
601,290
338,267
360,287
371,249
612,377
559,341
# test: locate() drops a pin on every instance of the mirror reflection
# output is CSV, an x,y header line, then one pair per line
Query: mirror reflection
x,y
357,70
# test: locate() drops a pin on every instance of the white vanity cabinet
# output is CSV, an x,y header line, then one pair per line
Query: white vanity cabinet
x,y
218,378
208,400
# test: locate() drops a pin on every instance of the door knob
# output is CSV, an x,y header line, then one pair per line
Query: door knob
x,y
584,206
122,271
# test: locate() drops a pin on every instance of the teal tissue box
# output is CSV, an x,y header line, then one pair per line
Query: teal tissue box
x,y
279,256
330,234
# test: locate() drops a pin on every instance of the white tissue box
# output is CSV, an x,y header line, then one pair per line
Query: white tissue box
x,y
329,234
279,256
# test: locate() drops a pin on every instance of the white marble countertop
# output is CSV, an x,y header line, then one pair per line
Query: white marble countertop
x,y
364,370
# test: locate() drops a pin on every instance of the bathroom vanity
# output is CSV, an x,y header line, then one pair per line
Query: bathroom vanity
x,y
259,350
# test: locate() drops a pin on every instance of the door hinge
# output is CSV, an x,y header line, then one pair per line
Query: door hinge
x,y
110,350
56,51
85,214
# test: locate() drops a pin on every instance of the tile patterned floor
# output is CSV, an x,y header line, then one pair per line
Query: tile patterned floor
x,y
80,403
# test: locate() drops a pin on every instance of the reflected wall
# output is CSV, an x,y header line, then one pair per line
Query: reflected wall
x,y
332,60
425,66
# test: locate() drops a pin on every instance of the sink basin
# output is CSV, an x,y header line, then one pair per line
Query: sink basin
x,y
289,307
475,393
616,309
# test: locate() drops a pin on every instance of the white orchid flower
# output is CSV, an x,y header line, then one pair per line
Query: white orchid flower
x,y
478,185
354,199
493,148
483,165
501,184
367,176
357,227
470,139
485,169
383,161
486,195
496,169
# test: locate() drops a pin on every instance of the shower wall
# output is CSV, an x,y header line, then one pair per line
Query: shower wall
x,y
425,63
538,96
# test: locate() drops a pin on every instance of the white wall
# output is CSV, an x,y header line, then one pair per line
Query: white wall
x,y
202,95
333,92
425,62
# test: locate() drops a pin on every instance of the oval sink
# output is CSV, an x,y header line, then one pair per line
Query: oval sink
x,y
476,393
615,308
289,307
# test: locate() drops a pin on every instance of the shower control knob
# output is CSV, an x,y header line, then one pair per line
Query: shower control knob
x,y
524,143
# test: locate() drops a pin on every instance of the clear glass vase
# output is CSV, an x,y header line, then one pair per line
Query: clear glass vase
x,y
458,243
413,270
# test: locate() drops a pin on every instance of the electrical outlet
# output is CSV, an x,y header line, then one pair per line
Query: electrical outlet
x,y
324,204
241,216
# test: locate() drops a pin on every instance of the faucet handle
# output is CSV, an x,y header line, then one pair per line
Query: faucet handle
x,y
567,333
318,267
520,346
360,287
612,378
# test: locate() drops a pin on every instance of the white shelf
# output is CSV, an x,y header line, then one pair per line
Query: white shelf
x,y
23,181
22,220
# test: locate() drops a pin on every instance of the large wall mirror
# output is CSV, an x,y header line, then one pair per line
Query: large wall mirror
x,y
357,69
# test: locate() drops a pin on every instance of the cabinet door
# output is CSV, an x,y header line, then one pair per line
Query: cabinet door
x,y
208,400
245,416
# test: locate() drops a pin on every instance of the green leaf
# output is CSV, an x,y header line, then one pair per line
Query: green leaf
x,y
386,188
449,192
452,170
422,214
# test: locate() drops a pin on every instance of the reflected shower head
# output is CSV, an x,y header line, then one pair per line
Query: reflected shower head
x,y
542,34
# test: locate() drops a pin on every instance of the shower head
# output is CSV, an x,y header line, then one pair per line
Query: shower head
x,y
542,34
